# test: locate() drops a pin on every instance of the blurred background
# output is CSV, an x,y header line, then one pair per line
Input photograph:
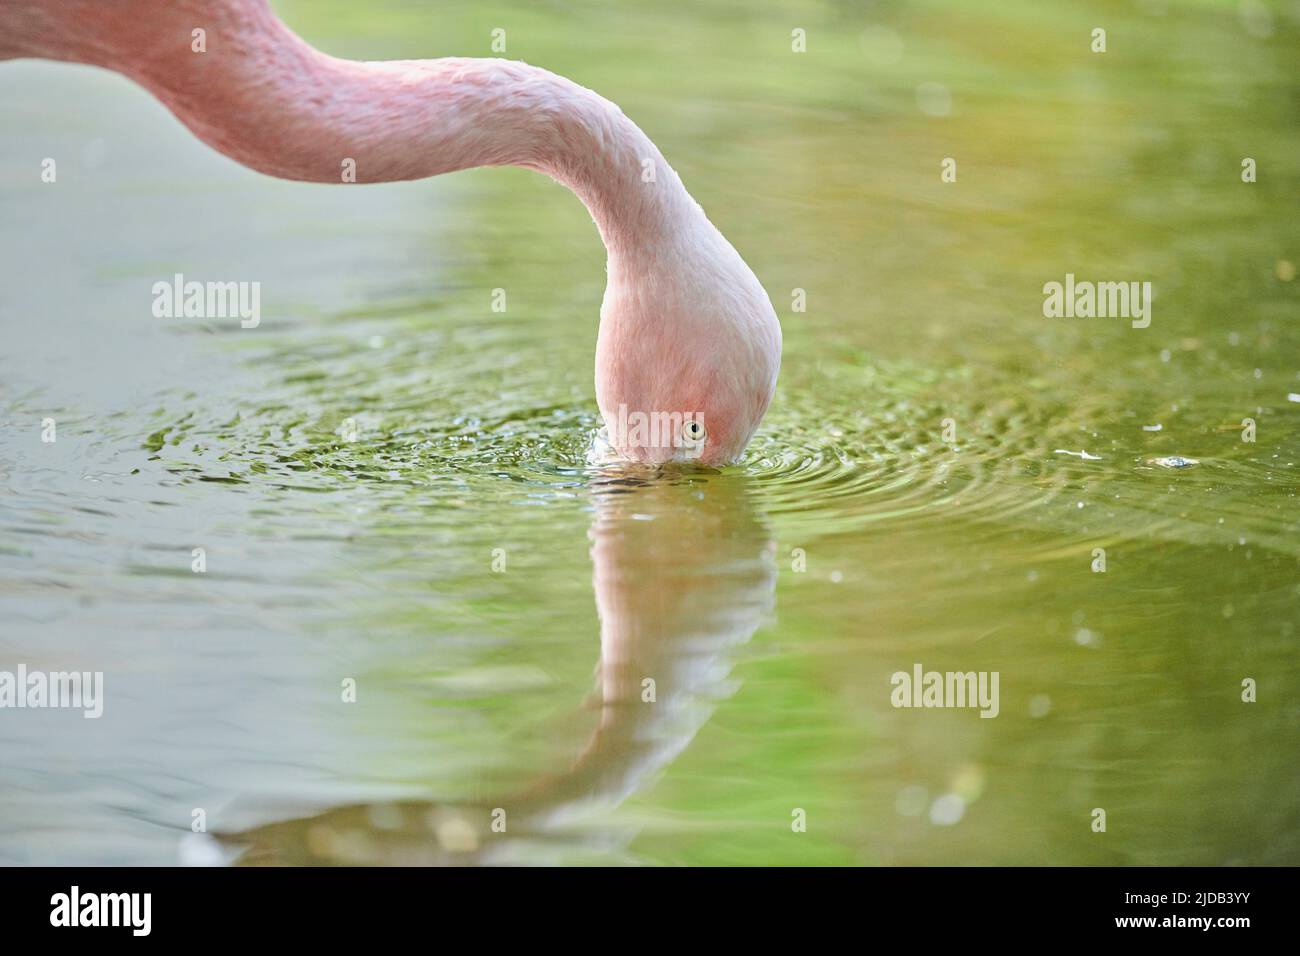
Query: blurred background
x,y
771,602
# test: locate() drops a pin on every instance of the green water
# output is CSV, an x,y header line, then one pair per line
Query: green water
x,y
519,688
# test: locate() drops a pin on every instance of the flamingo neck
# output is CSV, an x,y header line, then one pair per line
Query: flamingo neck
x,y
266,98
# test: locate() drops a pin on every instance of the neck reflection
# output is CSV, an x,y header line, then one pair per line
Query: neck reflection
x,y
683,573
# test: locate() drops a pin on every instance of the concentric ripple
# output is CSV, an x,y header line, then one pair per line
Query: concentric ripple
x,y
892,443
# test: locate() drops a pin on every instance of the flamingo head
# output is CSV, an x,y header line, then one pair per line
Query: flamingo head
x,y
688,352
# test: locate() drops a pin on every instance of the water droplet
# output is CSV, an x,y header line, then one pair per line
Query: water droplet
x,y
947,810
933,99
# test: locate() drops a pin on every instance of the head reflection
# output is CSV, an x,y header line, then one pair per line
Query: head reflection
x,y
683,574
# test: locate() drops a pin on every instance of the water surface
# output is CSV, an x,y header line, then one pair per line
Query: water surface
x,y
916,494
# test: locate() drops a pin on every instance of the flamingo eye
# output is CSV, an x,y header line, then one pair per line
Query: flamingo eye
x,y
693,431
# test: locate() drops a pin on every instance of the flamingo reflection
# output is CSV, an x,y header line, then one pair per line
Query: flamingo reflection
x,y
684,574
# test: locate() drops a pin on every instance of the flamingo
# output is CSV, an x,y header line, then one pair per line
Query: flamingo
x,y
689,345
